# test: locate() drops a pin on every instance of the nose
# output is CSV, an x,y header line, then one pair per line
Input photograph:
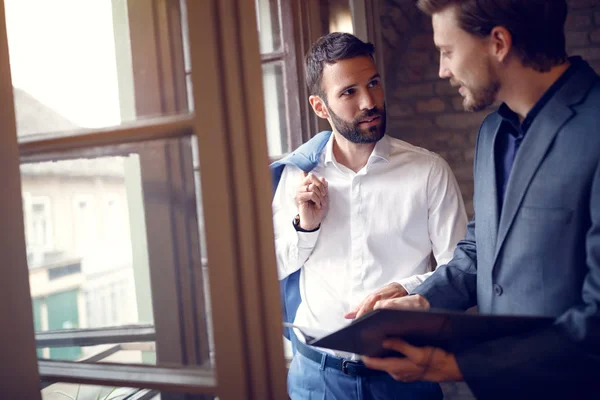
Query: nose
x,y
444,72
367,102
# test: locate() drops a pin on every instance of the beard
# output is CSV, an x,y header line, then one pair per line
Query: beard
x,y
352,130
481,97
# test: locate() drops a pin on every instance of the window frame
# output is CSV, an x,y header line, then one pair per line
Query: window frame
x,y
287,56
247,329
302,23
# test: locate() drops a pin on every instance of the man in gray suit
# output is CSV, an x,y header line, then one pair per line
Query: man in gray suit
x,y
533,247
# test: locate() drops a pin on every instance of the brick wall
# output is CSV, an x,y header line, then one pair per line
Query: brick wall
x,y
425,110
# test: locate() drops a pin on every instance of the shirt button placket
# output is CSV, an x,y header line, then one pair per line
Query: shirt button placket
x,y
357,236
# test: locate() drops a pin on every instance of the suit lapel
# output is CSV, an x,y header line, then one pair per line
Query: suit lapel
x,y
537,142
533,149
489,195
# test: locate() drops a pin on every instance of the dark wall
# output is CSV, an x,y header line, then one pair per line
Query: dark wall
x,y
425,110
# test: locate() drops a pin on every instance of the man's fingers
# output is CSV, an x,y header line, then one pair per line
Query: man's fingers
x,y
316,185
316,198
310,182
390,364
324,182
362,311
419,355
350,315
368,305
405,302
304,197
384,304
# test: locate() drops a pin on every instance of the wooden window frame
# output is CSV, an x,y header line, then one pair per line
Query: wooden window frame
x,y
302,25
287,56
232,146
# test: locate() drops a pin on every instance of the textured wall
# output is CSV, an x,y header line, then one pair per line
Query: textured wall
x,y
425,110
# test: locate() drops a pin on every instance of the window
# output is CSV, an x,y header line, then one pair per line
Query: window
x,y
59,272
41,232
38,223
279,77
84,222
119,151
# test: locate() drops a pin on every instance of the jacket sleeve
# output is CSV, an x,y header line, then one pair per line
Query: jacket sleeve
x,y
454,284
558,361
292,248
447,218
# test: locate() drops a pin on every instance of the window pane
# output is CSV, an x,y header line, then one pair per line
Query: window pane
x,y
72,66
110,232
269,27
65,391
79,246
275,106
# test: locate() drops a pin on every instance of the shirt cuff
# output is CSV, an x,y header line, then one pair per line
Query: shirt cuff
x,y
410,284
307,240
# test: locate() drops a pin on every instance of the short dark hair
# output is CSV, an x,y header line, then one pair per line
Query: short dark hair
x,y
331,48
536,26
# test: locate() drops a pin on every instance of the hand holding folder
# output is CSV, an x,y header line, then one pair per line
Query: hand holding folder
x,y
449,330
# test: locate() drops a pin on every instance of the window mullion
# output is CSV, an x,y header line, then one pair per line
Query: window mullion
x,y
174,256
293,79
270,57
191,380
226,72
19,377
264,270
215,172
34,148
157,56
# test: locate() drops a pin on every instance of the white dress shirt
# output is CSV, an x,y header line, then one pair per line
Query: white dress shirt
x,y
381,226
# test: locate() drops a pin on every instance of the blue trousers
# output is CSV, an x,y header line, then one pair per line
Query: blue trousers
x,y
307,380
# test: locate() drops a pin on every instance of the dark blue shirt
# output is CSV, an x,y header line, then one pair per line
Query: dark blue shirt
x,y
512,132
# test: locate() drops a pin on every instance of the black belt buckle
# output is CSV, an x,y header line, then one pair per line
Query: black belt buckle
x,y
345,366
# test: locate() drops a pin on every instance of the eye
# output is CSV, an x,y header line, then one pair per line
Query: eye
x,y
373,83
349,92
445,54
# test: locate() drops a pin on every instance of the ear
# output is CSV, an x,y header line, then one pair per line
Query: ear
x,y
318,106
501,41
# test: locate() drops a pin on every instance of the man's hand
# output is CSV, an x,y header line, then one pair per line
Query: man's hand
x,y
312,199
421,363
412,301
392,291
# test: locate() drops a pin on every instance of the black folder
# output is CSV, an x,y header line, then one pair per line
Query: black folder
x,y
449,330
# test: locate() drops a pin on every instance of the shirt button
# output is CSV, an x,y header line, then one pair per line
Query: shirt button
x,y
497,289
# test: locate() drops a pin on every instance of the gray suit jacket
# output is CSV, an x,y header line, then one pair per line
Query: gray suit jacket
x,y
541,256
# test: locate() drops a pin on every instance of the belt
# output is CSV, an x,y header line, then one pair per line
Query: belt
x,y
348,367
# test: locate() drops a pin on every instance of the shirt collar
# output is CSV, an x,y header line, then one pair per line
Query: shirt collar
x,y
329,150
380,152
510,116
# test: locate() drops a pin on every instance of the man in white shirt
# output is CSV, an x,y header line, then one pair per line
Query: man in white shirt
x,y
361,226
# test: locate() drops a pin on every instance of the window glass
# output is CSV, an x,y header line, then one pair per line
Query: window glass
x,y
269,27
275,107
71,65
90,216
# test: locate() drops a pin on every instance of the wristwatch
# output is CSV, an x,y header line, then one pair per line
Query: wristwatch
x,y
296,223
